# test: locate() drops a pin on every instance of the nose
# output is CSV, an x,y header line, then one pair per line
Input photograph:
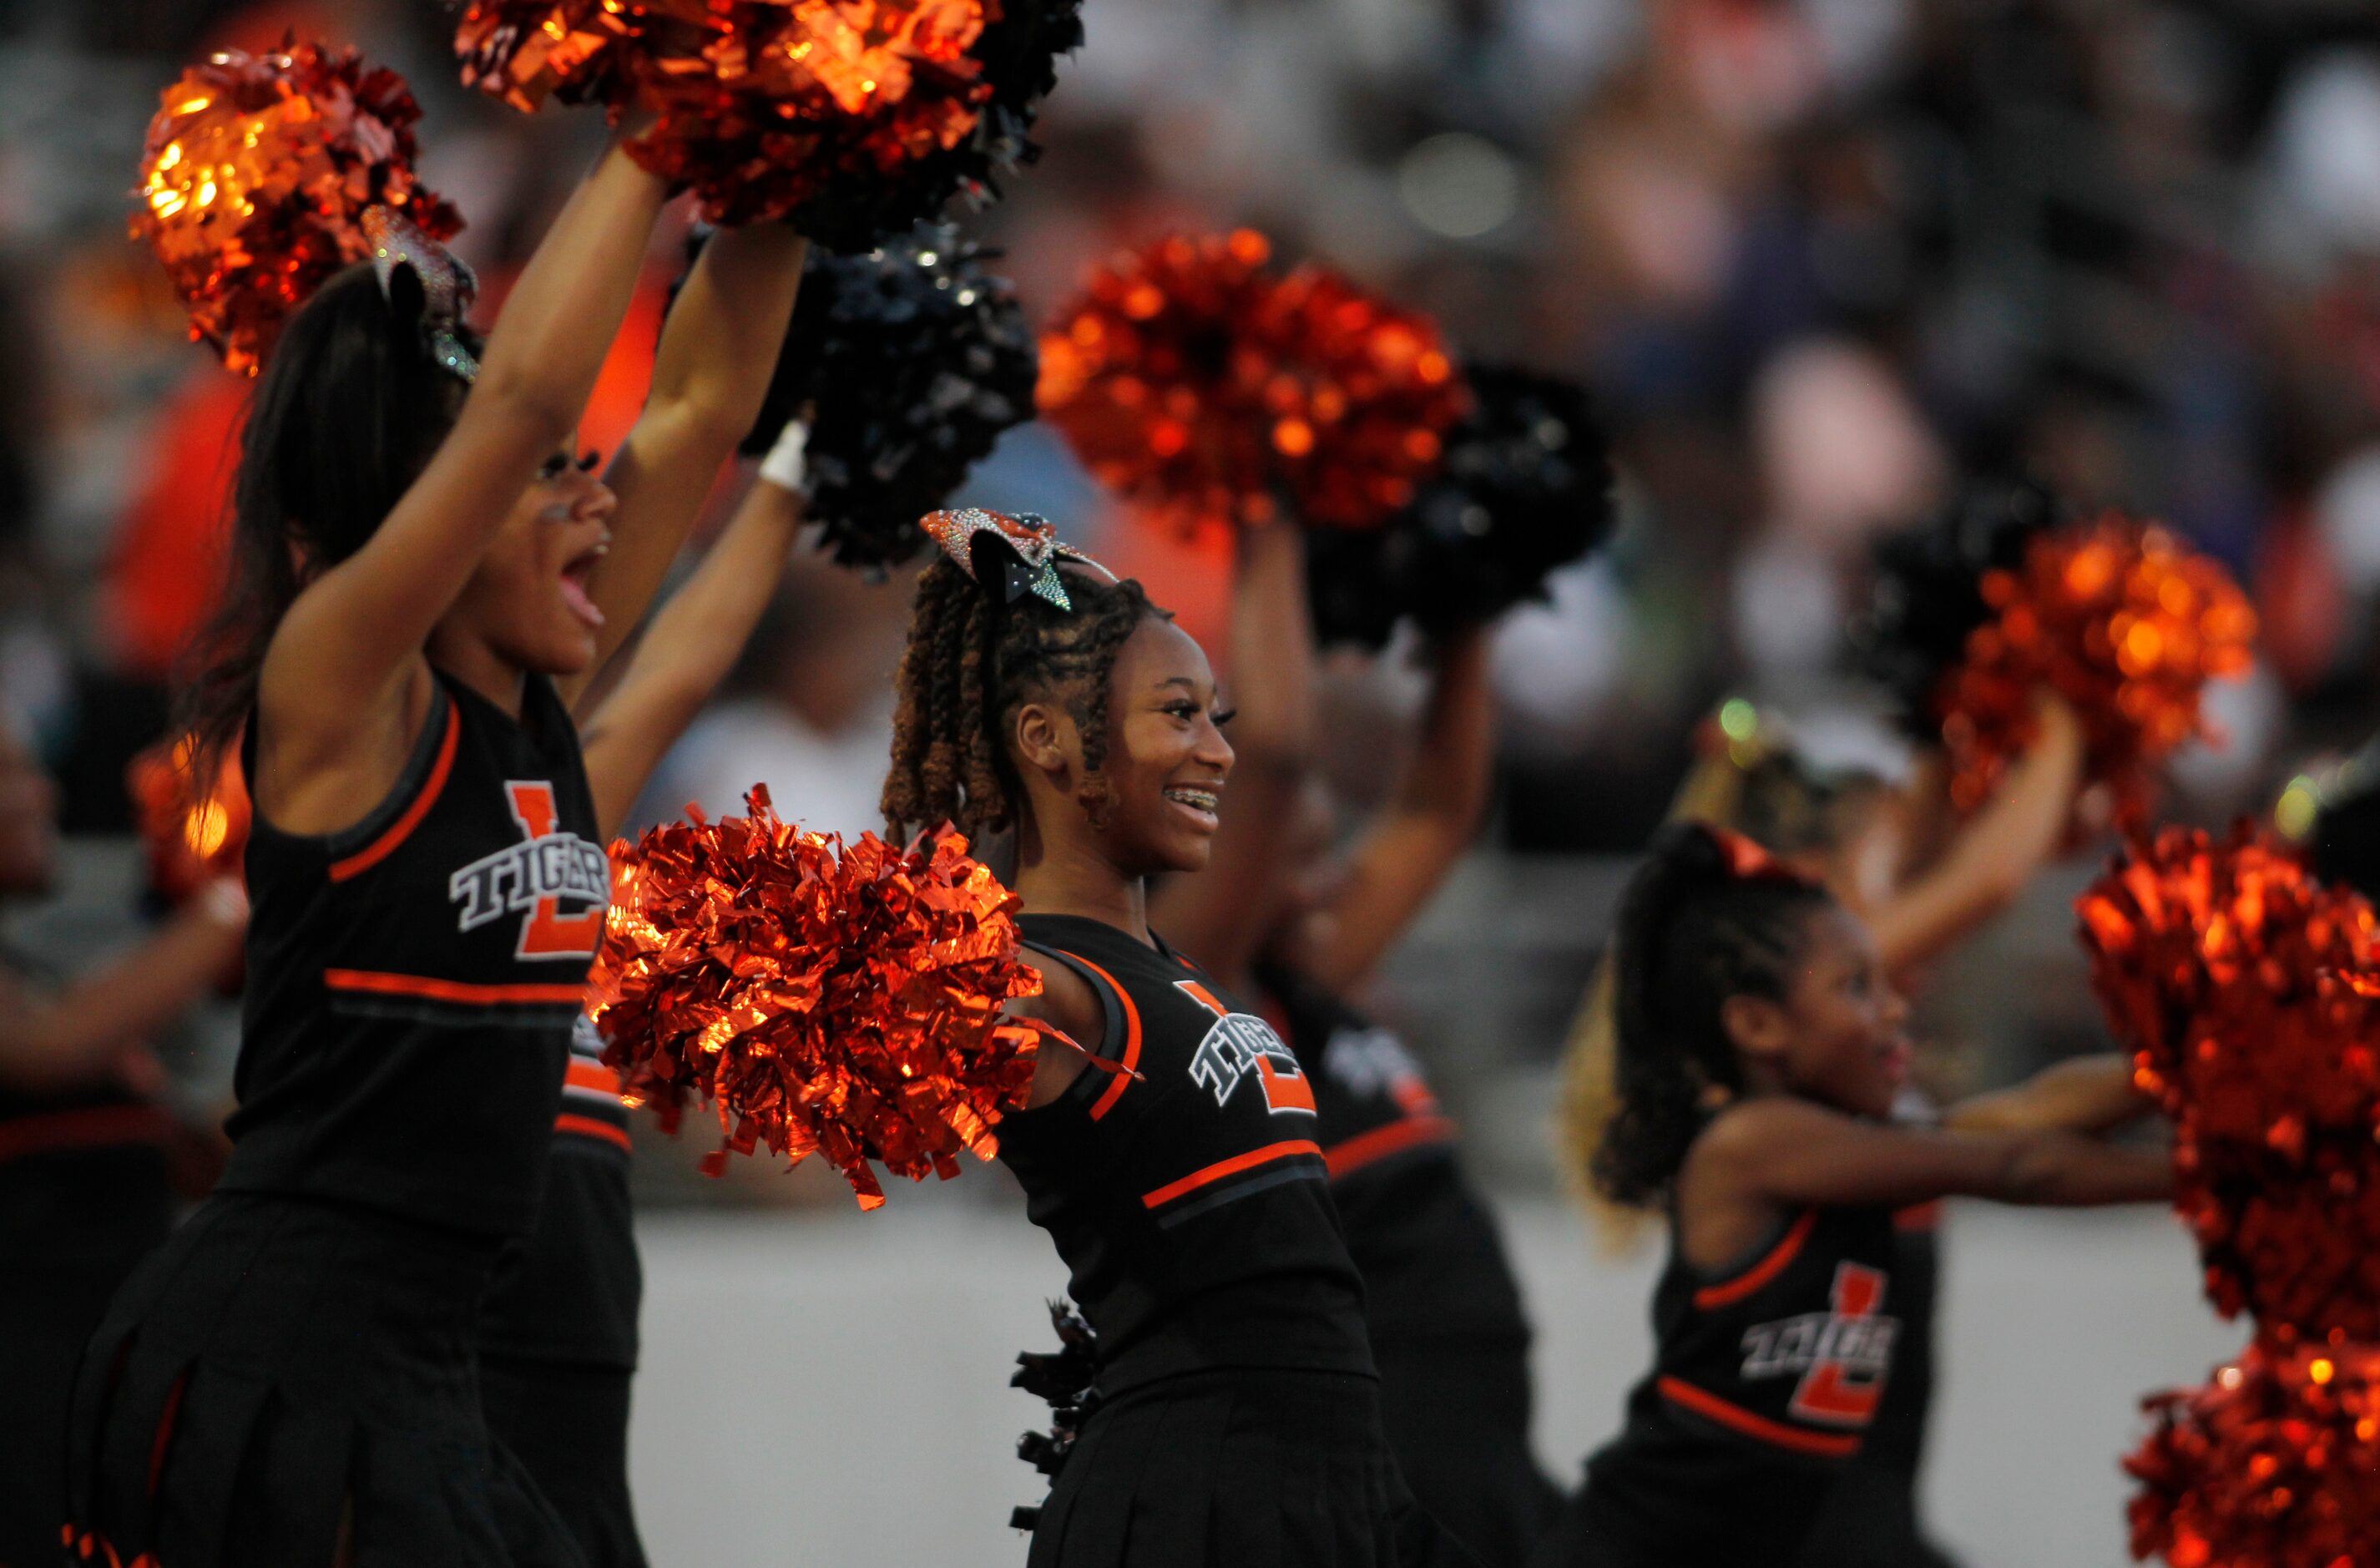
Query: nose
x,y
1213,750
1896,1006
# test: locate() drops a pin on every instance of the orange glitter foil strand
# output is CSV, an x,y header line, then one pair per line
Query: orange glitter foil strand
x,y
842,1001
1189,378
760,103
254,178
2123,621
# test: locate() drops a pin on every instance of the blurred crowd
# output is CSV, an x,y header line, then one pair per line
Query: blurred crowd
x,y
1821,260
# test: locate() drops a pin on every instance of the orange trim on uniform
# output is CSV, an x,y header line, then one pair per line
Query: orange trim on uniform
x,y
1205,998
594,1127
469,996
98,1127
381,848
1114,1091
1368,1148
1760,1273
1290,1150
1702,1403
591,1074
1918,1217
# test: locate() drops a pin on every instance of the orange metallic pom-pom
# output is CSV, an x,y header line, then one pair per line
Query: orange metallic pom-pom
x,y
1190,378
2274,1464
194,828
256,174
2122,620
837,999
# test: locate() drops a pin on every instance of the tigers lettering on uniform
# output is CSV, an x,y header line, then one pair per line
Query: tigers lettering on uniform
x,y
535,878
1240,1046
1373,1062
1841,1357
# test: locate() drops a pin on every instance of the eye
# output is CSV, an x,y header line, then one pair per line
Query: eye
x,y
553,467
1225,715
1181,708
590,460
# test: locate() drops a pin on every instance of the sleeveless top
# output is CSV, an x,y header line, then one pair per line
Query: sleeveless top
x,y
1191,1202
1422,1237
412,980
571,1293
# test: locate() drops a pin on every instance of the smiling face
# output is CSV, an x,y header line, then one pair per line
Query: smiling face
x,y
1167,760
528,600
1302,920
1836,1035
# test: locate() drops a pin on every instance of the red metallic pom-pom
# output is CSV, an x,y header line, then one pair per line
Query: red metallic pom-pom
x,y
2274,1464
764,105
194,830
837,999
2122,620
1189,378
256,172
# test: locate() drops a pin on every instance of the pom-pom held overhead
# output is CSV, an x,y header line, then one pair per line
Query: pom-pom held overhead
x,y
1190,378
855,119
1525,489
908,362
837,999
255,178
2122,620
193,830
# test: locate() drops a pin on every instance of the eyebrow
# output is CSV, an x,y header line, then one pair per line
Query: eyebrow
x,y
1185,682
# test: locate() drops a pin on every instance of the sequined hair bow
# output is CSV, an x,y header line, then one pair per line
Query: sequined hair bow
x,y
1006,556
1747,861
447,285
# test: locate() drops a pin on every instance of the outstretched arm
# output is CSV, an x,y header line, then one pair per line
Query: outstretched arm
x,y
1212,916
718,349
344,686
1990,859
2084,1094
1427,826
692,643
80,1034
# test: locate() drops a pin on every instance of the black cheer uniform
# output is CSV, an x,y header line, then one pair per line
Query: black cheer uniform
x,y
1766,1377
1447,1328
299,1361
1238,1417
86,1193
558,1341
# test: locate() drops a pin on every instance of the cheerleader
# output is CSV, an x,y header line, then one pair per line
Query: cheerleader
x,y
420,582
1760,1055
1172,1159
86,1188
1281,916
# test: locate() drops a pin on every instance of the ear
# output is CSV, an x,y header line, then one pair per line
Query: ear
x,y
1758,1025
1045,741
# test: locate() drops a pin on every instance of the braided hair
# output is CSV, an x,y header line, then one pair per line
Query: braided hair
x,y
1691,935
971,663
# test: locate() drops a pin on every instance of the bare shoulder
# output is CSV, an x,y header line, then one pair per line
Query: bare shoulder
x,y
1749,1133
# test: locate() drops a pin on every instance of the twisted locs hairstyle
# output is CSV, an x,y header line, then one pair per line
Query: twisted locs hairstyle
x,y
971,663
1691,935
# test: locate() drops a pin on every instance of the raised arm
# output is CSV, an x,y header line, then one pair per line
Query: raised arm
x,y
1988,860
344,683
692,643
80,1034
1428,824
2084,1094
1210,915
1788,1152
717,351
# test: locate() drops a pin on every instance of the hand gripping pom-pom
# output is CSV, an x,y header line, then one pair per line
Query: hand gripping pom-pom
x,y
255,178
854,119
1192,380
2122,620
908,362
193,830
1525,489
845,1001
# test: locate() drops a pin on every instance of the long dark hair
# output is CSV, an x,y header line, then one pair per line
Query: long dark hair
x,y
349,412
1691,933
971,664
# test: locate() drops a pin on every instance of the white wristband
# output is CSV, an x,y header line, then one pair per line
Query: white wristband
x,y
785,466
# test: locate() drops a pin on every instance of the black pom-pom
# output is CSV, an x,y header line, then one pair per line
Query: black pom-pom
x,y
1019,50
1065,1378
1925,593
910,361
2344,846
1526,488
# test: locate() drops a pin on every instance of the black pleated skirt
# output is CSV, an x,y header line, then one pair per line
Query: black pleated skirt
x,y
1241,1469
296,1383
567,1425
1457,1418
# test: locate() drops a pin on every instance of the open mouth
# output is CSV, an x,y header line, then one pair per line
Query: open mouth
x,y
573,585
1200,803
1895,1059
